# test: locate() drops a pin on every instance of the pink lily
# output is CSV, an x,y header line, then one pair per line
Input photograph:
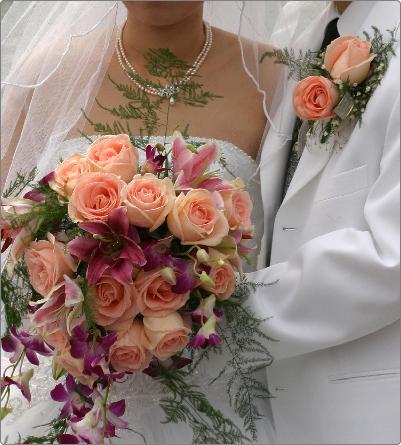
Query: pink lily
x,y
73,293
190,165
114,246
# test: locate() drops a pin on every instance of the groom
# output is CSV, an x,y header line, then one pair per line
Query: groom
x,y
333,282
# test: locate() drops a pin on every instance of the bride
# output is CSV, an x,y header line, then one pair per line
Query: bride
x,y
90,68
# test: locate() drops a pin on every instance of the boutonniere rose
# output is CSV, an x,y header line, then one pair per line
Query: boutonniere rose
x,y
348,58
335,85
314,98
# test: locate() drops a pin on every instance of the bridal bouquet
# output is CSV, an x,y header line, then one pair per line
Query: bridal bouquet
x,y
119,267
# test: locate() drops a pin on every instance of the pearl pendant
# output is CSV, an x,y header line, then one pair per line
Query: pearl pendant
x,y
172,100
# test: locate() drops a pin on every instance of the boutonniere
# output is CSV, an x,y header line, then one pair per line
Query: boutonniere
x,y
335,85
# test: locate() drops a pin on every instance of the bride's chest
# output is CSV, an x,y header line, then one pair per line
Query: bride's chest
x,y
222,107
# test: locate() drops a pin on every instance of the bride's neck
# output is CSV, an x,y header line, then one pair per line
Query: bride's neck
x,y
185,39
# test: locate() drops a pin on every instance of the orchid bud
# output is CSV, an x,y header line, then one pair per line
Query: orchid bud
x,y
169,275
160,148
206,280
202,256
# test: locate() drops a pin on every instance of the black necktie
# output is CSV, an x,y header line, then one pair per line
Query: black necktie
x,y
331,33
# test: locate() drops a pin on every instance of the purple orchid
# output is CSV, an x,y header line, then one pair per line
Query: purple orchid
x,y
21,381
207,335
154,162
19,342
73,403
114,247
91,429
158,254
94,353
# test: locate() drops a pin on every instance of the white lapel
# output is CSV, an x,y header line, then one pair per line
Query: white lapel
x,y
276,146
313,160
272,165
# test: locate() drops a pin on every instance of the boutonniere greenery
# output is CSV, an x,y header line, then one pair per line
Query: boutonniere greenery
x,y
334,85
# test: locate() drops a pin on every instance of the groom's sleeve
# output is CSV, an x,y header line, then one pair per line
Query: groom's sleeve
x,y
342,285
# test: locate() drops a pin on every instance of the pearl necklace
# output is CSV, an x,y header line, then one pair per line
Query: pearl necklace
x,y
170,90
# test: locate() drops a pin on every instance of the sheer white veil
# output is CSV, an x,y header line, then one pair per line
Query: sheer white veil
x,y
55,55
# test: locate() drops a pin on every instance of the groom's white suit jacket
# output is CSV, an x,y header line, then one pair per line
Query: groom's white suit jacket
x,y
333,293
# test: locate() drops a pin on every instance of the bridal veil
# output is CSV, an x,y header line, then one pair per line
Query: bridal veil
x,y
55,55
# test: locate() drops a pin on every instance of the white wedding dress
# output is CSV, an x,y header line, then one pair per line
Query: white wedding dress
x,y
141,393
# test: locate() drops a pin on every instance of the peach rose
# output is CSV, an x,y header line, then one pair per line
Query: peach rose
x,y
47,262
348,58
115,154
223,276
74,366
67,173
149,200
129,352
114,304
196,219
167,335
314,98
155,296
95,196
238,209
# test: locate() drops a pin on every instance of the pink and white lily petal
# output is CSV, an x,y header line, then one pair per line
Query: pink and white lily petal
x,y
50,311
190,165
73,293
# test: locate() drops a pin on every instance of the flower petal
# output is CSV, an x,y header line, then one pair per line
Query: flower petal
x,y
32,357
133,253
118,221
59,393
97,267
35,195
82,247
68,439
122,271
46,179
96,228
117,408
73,293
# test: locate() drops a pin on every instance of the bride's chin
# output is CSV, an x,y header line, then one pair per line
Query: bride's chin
x,y
163,13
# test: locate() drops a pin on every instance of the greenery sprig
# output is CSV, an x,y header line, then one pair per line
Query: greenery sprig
x,y
187,404
246,343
